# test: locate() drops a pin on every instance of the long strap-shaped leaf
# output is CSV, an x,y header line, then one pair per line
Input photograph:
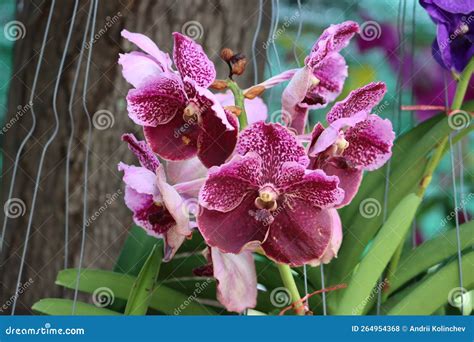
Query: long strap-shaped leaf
x,y
434,291
140,295
163,298
391,234
431,253
63,307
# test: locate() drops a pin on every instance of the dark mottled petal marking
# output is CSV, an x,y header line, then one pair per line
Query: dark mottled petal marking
x,y
370,143
191,61
359,100
226,186
317,189
157,101
142,151
275,144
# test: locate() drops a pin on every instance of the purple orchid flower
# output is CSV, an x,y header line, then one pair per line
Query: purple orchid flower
x,y
453,47
181,118
265,197
354,141
321,79
156,205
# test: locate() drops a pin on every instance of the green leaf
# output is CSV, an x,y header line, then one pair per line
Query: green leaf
x,y
373,264
430,294
135,251
431,253
63,307
164,299
140,295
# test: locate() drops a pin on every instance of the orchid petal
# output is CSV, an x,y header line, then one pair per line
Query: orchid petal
x,y
139,178
157,101
359,100
370,143
137,67
237,279
142,151
191,60
148,46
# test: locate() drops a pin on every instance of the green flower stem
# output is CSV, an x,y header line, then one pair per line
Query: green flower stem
x,y
289,282
239,102
435,158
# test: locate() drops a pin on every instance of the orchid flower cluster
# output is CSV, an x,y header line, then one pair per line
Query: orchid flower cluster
x,y
265,188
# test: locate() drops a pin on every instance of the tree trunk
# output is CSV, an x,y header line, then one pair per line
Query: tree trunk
x,y
225,23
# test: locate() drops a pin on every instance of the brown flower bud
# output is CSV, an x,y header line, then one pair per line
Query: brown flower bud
x,y
254,91
227,54
234,110
219,85
238,67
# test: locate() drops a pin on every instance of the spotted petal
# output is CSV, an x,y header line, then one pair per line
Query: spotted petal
x,y
157,101
142,151
317,189
361,100
227,185
275,144
191,60
236,279
336,240
370,143
333,39
331,73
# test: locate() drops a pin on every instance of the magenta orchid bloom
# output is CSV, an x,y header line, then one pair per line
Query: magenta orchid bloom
x,y
321,79
156,205
181,118
265,197
354,141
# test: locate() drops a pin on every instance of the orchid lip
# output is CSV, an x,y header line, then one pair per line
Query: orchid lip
x,y
267,198
190,113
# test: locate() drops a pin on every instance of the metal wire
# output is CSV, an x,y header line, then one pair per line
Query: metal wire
x,y
33,124
86,160
254,42
298,34
69,147
323,286
44,151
